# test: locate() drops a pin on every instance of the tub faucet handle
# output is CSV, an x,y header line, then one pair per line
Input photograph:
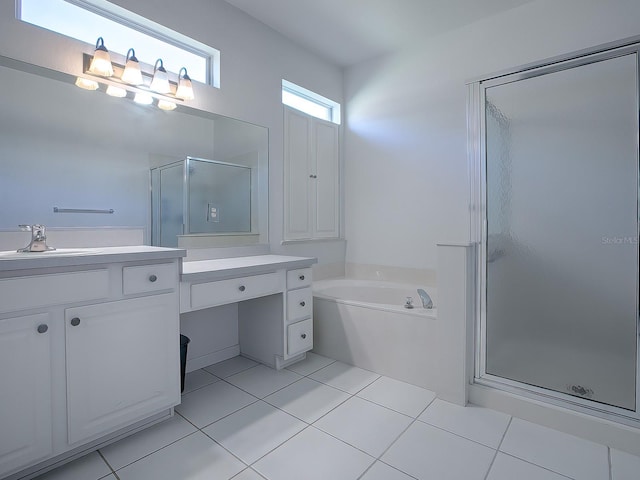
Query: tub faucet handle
x,y
426,299
409,303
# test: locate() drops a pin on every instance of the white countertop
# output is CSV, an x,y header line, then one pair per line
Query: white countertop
x,y
241,266
64,257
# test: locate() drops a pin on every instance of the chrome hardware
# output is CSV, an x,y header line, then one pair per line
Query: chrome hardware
x,y
75,321
302,304
38,239
409,303
43,328
152,278
301,277
242,288
304,335
426,299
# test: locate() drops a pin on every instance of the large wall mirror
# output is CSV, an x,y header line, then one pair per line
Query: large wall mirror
x,y
71,149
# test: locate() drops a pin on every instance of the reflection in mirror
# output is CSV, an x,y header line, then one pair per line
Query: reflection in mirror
x,y
65,147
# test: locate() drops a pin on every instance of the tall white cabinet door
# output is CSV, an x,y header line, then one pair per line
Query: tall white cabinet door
x,y
297,179
122,363
25,393
326,187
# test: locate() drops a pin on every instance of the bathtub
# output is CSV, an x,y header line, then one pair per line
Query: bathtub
x,y
364,323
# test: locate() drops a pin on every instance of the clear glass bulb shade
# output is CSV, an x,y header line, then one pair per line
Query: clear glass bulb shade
x,y
132,74
166,105
185,89
101,64
116,91
143,98
160,82
86,84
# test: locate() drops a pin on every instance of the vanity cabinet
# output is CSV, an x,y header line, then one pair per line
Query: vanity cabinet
x,y
25,394
88,351
121,363
274,297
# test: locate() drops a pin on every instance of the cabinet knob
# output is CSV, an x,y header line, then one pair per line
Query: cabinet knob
x,y
302,304
43,328
152,278
304,335
75,321
242,288
301,277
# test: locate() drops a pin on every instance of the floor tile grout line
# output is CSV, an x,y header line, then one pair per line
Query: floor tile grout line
x,y
155,451
278,446
108,464
539,466
497,450
456,434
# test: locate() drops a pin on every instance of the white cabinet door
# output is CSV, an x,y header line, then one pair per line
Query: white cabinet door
x,y
311,177
325,186
25,391
297,175
122,363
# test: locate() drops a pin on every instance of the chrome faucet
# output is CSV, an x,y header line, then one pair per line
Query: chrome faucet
x,y
38,239
426,299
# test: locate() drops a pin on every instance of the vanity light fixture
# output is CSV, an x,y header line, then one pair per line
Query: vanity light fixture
x,y
166,105
185,89
116,91
132,73
160,81
86,84
101,62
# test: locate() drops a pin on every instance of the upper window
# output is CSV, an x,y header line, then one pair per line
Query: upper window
x,y
310,102
121,30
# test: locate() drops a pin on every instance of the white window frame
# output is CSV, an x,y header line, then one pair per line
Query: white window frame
x,y
146,27
333,108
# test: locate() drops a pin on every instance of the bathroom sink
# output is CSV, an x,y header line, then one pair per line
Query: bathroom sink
x,y
60,252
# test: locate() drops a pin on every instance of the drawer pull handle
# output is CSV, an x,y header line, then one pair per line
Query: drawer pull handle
x,y
43,328
302,304
242,288
304,335
301,277
152,278
75,321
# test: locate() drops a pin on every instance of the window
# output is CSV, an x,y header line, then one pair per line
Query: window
x,y
309,102
121,30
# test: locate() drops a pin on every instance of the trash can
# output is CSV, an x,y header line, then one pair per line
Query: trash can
x,y
184,341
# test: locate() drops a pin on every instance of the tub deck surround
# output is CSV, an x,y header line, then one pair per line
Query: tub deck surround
x,y
364,323
274,299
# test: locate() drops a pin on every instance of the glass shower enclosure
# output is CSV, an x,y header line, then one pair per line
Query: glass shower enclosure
x,y
557,163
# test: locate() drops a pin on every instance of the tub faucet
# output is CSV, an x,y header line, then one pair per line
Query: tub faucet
x,y
38,239
426,299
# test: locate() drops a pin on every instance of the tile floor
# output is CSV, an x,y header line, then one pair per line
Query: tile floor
x,y
325,420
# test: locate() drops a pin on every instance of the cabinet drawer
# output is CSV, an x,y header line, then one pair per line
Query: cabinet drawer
x,y
23,293
234,290
300,337
149,278
298,278
299,304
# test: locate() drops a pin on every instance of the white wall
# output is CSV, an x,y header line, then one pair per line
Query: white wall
x,y
254,60
406,179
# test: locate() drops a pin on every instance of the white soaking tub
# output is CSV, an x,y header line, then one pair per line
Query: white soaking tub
x,y
364,323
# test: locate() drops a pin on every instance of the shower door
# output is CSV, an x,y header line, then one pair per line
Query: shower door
x,y
559,254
